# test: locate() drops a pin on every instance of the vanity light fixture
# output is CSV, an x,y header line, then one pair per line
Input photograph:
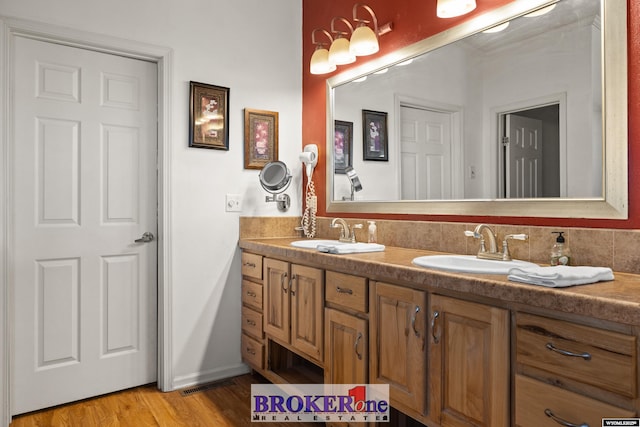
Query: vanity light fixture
x,y
320,63
363,41
339,52
452,8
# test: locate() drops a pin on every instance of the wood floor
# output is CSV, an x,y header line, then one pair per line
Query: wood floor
x,y
226,404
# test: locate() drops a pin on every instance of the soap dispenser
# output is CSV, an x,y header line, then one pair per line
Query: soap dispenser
x,y
560,254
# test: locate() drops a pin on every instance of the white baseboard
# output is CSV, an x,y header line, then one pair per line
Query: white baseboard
x,y
209,376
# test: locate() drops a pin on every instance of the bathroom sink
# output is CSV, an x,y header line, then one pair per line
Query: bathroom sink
x,y
469,264
313,243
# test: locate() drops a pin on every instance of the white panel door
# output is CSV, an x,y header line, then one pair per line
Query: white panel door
x,y
84,189
426,160
524,157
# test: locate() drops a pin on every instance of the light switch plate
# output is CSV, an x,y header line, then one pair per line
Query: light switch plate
x,y
233,203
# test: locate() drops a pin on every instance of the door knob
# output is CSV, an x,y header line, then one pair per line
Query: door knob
x,y
146,238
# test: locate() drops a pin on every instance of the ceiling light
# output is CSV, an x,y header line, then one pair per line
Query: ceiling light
x,y
452,8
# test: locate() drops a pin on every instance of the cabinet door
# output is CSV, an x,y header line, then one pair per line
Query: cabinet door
x,y
397,346
469,374
307,302
346,344
276,299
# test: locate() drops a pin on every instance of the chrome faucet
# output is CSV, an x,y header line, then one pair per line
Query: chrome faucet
x,y
347,234
493,253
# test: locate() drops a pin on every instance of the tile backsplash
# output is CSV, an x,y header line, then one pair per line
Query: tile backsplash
x,y
618,249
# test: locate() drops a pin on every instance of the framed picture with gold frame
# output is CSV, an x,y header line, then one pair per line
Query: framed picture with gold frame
x,y
260,138
208,116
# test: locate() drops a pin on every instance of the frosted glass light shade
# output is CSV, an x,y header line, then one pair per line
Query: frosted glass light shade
x,y
364,41
339,52
452,8
319,63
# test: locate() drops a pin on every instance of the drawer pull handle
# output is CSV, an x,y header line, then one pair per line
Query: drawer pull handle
x,y
250,264
251,351
344,290
413,321
251,322
436,338
251,294
282,279
549,413
355,346
585,356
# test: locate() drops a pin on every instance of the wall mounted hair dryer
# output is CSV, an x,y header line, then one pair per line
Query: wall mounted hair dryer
x,y
310,158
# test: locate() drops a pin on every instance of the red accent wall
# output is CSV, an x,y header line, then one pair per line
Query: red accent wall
x,y
414,20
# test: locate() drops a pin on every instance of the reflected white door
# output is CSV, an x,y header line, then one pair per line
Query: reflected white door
x,y
426,148
523,168
84,189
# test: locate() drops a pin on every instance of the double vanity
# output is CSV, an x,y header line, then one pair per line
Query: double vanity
x,y
456,348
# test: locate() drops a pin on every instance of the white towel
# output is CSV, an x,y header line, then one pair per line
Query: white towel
x,y
560,276
351,248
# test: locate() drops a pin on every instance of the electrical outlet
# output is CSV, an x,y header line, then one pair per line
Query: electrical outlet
x,y
233,203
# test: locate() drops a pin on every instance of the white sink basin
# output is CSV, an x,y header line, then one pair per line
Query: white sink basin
x,y
313,244
469,264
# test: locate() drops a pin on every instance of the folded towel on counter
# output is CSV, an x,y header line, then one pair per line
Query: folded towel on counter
x,y
560,276
351,248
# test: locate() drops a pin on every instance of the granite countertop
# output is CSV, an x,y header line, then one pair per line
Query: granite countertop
x,y
616,301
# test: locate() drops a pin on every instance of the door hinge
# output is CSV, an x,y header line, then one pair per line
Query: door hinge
x,y
505,140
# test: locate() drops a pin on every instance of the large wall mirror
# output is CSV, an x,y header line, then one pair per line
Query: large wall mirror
x,y
513,113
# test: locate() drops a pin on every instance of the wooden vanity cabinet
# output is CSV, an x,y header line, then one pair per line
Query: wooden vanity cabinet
x,y
397,347
469,363
293,306
572,372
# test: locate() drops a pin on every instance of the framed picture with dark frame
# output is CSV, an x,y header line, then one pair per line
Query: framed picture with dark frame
x,y
375,136
260,138
208,116
342,146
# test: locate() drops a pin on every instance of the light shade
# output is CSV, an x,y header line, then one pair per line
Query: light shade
x,y
339,52
364,41
452,8
320,63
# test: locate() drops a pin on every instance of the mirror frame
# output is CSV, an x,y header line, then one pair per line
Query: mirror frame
x,y
614,202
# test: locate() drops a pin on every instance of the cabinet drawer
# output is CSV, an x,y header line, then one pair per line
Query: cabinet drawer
x,y
536,402
252,265
594,356
252,322
347,290
252,294
252,352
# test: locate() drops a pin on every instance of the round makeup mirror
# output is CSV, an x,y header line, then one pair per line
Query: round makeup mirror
x,y
275,178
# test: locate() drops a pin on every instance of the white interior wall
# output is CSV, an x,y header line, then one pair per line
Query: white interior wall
x,y
254,48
